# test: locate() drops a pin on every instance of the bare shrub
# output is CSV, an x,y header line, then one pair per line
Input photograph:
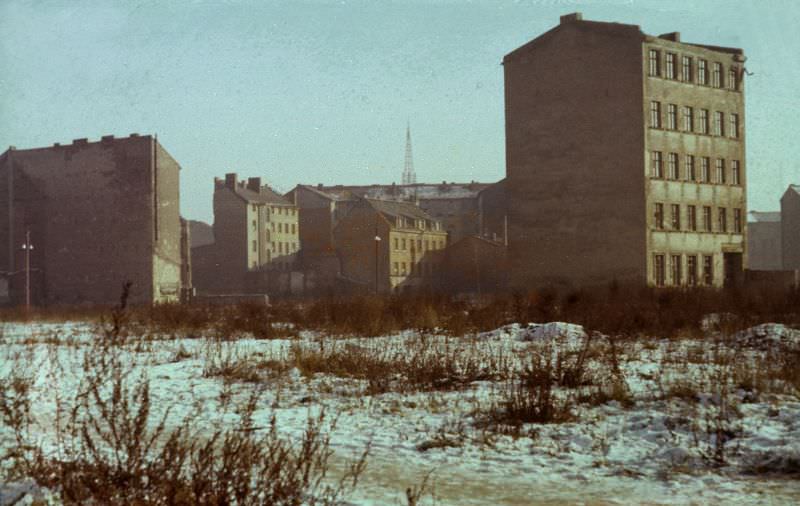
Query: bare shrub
x,y
529,397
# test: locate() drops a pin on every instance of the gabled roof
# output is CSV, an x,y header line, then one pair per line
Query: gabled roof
x,y
393,208
266,196
325,194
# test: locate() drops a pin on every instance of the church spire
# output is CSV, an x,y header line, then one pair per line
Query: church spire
x,y
409,176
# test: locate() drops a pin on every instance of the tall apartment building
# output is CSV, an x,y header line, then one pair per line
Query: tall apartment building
x,y
390,246
256,240
625,158
99,214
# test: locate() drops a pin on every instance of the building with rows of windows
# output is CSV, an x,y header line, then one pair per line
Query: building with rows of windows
x,y
256,241
625,158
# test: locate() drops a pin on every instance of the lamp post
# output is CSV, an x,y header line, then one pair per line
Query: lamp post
x,y
377,250
27,247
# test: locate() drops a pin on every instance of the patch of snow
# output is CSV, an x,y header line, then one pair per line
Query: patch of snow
x,y
767,335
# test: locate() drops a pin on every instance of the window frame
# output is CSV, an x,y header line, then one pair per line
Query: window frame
x,y
658,215
654,63
672,117
686,69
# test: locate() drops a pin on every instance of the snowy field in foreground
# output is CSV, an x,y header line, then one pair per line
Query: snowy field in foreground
x,y
655,449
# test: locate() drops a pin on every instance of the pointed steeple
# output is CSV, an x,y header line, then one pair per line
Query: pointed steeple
x,y
409,176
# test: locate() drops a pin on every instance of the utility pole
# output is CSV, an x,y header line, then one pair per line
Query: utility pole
x,y
27,247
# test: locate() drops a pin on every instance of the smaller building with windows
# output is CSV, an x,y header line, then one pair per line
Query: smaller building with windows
x,y
389,246
256,241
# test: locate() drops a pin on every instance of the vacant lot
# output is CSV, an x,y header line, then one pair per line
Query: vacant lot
x,y
544,413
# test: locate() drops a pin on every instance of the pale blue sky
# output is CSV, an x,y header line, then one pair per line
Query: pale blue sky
x,y
308,92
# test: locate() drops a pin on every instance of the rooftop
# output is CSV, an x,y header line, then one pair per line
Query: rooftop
x,y
393,208
765,216
576,19
396,192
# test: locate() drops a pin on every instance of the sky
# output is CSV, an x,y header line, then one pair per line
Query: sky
x,y
321,92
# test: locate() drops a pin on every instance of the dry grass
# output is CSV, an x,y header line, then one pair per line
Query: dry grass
x,y
420,363
111,449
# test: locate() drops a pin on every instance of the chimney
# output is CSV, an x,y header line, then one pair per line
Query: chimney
x,y
107,138
56,144
319,186
80,142
231,180
134,135
571,18
673,36
254,184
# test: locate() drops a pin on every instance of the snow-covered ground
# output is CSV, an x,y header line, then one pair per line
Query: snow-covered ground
x,y
652,443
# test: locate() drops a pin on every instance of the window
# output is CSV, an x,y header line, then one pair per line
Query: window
x,y
705,169
719,123
396,243
737,221
280,247
658,269
716,75
672,116
708,269
736,173
255,226
691,175
670,68
733,129
722,215
707,218
673,171
656,165
720,171
419,244
294,228
403,270
280,227
691,269
676,216
704,121
427,244
688,119
655,114
702,72
675,269
396,268
733,80
686,69
655,63
402,244
691,217
658,215
255,246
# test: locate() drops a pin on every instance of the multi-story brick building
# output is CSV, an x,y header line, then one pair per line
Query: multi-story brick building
x,y
256,241
625,158
99,214
389,246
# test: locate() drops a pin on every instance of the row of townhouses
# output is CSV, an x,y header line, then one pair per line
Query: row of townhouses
x,y
625,161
